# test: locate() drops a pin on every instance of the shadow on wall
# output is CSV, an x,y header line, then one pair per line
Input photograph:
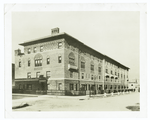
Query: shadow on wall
x,y
134,108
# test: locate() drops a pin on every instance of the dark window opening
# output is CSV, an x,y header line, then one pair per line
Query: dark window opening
x,y
48,60
59,59
19,63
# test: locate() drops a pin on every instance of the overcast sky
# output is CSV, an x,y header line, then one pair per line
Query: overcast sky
x,y
115,34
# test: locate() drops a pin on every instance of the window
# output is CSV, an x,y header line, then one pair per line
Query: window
x,y
71,59
29,86
131,84
41,48
106,70
60,45
115,73
37,74
92,77
59,59
48,74
82,75
38,62
34,49
111,87
71,86
48,60
92,67
59,86
28,62
111,72
99,69
29,50
20,87
19,63
118,74
29,75
71,74
99,77
83,65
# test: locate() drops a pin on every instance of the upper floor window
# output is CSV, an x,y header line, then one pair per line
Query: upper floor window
x,y
60,45
34,49
19,63
38,60
106,70
48,74
48,60
99,77
115,73
37,74
111,72
29,63
83,65
118,74
99,69
71,59
82,75
41,48
92,67
92,77
59,59
29,50
71,74
29,75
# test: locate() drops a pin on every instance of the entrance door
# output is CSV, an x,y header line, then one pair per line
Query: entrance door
x,y
42,86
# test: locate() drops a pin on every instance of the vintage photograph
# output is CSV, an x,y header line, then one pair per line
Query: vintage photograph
x,y
75,61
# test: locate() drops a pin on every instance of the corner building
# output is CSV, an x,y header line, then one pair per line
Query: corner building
x,y
61,64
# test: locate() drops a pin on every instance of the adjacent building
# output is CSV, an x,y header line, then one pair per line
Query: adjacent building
x,y
62,64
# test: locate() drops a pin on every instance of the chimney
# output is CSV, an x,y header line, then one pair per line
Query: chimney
x,y
54,31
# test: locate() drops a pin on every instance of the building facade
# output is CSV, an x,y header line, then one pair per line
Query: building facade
x,y
62,63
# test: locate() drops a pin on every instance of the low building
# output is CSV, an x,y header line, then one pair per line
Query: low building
x,y
61,64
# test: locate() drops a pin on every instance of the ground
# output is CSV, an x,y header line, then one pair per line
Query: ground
x,y
126,102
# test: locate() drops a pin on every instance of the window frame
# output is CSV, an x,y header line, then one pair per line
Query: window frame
x,y
19,63
34,50
48,61
37,76
59,59
41,48
29,50
29,75
48,76
60,46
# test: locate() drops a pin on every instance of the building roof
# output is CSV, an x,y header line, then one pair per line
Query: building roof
x,y
74,42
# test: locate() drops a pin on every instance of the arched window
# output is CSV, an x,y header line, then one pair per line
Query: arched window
x,y
71,59
38,60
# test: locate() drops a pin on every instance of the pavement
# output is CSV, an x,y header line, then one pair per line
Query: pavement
x,y
31,100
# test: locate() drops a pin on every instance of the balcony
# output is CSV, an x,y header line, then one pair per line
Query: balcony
x,y
72,67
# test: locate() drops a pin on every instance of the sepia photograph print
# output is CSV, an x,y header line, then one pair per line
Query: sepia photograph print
x,y
75,60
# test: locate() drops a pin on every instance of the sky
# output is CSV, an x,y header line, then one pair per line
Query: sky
x,y
113,33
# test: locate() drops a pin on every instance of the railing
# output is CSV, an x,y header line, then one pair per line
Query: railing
x,y
68,92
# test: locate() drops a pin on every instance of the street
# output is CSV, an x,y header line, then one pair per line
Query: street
x,y
126,102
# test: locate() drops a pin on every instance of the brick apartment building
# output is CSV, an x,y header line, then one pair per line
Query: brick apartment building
x,y
61,64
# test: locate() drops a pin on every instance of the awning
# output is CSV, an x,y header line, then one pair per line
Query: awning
x,y
42,80
112,76
72,67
